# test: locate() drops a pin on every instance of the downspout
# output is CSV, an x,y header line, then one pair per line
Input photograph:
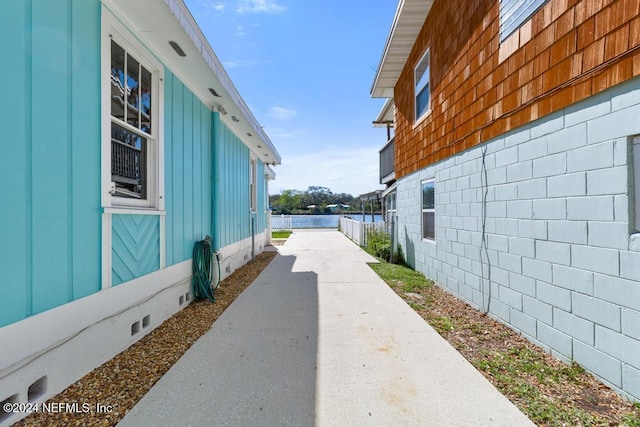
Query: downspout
x,y
393,239
215,179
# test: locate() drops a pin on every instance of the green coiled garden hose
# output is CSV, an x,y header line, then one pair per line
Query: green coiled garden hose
x,y
203,255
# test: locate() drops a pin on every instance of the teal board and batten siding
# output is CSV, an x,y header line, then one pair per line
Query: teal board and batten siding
x,y
50,218
188,169
231,180
135,241
261,207
231,159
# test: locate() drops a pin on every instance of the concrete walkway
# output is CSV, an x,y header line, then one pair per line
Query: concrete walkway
x,y
320,339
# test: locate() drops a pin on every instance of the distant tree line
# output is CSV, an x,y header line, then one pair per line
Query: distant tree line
x,y
315,200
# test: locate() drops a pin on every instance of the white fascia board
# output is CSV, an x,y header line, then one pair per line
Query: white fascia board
x,y
155,23
390,189
386,115
184,17
407,22
269,173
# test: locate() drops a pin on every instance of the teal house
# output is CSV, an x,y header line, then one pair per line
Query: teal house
x,y
124,142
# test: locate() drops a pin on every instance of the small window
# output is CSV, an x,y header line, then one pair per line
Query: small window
x,y
422,91
391,206
636,179
514,13
428,210
252,186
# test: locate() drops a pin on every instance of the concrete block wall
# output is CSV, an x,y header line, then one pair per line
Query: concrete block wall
x,y
553,203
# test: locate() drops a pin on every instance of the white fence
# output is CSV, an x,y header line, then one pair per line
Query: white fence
x,y
281,223
357,230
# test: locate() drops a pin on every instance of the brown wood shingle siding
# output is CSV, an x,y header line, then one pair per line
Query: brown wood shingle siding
x,y
568,51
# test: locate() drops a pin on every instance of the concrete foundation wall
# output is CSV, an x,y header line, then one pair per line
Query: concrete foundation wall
x,y
538,227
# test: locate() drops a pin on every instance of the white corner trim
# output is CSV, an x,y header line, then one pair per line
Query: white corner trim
x,y
106,250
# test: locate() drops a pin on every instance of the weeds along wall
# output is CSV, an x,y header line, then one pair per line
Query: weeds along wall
x,y
537,227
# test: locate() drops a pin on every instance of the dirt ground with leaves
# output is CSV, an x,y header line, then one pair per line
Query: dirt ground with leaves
x,y
549,391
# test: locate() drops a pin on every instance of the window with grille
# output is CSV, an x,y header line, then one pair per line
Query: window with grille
x,y
428,210
133,136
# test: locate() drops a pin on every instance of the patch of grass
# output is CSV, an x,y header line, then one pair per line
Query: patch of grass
x,y
632,420
398,276
514,371
280,234
417,307
543,412
442,324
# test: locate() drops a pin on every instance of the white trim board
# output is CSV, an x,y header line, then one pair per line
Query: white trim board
x,y
65,343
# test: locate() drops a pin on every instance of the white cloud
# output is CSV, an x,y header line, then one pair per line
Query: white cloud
x,y
217,6
260,6
240,31
352,171
282,113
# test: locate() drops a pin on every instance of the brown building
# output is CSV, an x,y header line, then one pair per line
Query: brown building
x,y
510,175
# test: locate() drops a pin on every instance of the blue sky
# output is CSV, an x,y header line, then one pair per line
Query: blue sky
x,y
305,69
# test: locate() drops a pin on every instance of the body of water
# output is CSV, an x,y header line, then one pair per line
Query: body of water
x,y
321,221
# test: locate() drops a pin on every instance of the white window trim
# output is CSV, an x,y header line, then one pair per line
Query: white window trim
x,y
110,26
265,185
416,90
422,210
113,29
635,152
393,197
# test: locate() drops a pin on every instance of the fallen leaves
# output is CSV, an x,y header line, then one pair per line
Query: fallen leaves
x,y
547,390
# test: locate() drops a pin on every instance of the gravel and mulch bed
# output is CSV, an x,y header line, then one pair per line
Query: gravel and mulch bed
x,y
122,381
548,391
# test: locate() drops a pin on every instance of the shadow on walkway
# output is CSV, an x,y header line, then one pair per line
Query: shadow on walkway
x,y
319,339
257,365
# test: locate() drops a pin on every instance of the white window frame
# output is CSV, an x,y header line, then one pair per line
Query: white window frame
x,y
427,210
112,29
419,84
635,152
391,202
253,185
